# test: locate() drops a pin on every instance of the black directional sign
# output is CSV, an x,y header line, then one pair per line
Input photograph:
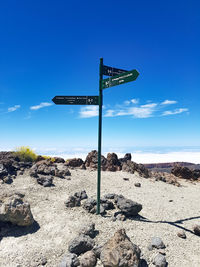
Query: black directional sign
x,y
126,77
110,71
76,100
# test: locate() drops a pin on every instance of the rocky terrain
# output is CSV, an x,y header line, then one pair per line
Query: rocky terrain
x,y
167,166
48,213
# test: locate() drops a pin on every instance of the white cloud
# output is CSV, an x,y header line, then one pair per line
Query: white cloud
x,y
173,112
109,113
11,109
41,105
127,102
168,102
134,101
88,112
141,112
152,105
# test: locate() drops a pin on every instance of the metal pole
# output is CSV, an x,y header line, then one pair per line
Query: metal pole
x,y
99,135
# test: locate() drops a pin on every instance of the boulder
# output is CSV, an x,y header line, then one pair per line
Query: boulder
x,y
88,229
126,157
160,260
88,259
132,167
46,181
61,173
112,163
81,244
92,160
182,172
137,184
120,251
70,260
128,207
75,162
13,209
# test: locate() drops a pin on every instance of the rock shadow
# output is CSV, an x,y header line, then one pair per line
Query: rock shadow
x,y
173,223
8,229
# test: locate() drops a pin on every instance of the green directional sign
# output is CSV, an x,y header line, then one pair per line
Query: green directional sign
x,y
126,77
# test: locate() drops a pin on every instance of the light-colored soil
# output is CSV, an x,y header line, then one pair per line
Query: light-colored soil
x,y
58,224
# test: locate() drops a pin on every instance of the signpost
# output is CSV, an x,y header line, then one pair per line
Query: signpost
x,y
126,77
76,100
118,76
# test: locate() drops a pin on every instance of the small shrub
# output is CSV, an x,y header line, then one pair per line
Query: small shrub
x,y
24,153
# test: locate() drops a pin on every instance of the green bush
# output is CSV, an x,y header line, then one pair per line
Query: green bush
x,y
24,153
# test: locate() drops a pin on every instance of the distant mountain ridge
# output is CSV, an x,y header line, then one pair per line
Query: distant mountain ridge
x,y
167,166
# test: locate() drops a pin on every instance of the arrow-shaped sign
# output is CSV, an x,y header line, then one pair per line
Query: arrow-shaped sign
x,y
126,77
76,100
110,71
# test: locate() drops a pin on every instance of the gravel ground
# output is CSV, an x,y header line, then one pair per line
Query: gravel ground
x,y
166,209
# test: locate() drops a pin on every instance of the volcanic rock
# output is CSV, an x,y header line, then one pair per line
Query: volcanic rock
x,y
128,207
81,244
160,260
92,160
70,260
88,259
73,202
157,242
120,251
196,229
75,162
46,181
13,209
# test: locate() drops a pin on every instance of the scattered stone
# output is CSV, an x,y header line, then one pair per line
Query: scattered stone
x,y
81,195
160,260
88,259
109,196
181,234
129,207
126,179
81,244
137,184
89,204
69,260
89,230
107,205
14,210
196,229
75,162
46,181
171,200
120,251
62,173
157,242
72,202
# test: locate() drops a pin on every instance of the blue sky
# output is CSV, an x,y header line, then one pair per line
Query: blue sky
x,y
53,48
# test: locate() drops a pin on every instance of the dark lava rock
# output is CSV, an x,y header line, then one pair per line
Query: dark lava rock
x,y
81,195
160,260
75,162
81,244
129,207
73,202
157,242
46,181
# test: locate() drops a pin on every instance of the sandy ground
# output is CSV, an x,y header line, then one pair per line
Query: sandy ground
x,y
57,225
